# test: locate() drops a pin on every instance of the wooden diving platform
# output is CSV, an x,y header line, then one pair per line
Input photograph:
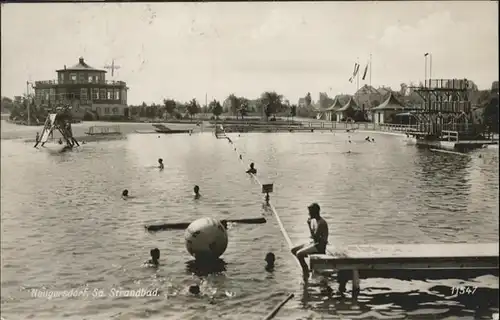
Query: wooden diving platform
x,y
409,257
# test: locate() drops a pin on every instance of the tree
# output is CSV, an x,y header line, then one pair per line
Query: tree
x,y
491,114
308,99
170,106
293,111
243,109
234,104
324,100
193,108
7,104
216,108
272,102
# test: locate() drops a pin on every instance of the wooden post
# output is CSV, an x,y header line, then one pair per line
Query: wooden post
x,y
267,189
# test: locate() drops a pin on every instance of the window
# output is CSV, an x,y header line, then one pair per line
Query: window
x,y
95,94
52,93
72,77
106,110
102,94
124,96
83,94
81,78
91,79
110,94
61,94
117,94
115,110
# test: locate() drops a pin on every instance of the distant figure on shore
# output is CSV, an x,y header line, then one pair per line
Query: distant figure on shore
x,y
270,259
319,234
60,141
252,169
37,138
160,164
196,190
155,257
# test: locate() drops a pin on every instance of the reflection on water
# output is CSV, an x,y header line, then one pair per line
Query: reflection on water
x,y
64,224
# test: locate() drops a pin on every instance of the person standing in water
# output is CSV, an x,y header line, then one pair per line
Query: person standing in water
x,y
252,169
160,164
196,190
155,257
125,194
37,138
270,259
319,234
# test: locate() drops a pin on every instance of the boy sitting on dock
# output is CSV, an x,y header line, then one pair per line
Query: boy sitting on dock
x,y
319,233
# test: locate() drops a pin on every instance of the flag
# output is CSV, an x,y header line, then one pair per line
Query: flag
x,y
356,70
364,73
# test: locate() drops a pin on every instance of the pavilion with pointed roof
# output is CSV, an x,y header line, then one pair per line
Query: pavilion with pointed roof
x,y
86,90
347,111
329,113
387,110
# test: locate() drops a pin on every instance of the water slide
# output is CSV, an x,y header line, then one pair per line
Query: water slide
x,y
49,126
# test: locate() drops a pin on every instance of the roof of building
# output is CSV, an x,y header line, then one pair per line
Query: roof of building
x,y
335,105
80,66
391,103
350,104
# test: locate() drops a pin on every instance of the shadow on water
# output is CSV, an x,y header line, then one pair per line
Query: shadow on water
x,y
205,267
389,300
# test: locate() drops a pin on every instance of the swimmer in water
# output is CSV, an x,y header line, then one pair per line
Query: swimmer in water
x,y
194,289
196,190
373,139
160,164
155,257
252,169
125,194
270,259
367,139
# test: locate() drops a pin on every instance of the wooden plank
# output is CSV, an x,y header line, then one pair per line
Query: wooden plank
x,y
418,250
404,257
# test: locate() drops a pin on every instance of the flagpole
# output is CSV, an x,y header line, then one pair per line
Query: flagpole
x,y
357,84
370,69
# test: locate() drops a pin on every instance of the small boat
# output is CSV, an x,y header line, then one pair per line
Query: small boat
x,y
159,128
103,130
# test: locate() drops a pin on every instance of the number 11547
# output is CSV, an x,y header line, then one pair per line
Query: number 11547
x,y
461,290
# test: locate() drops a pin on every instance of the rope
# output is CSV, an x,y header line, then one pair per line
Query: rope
x,y
271,206
278,307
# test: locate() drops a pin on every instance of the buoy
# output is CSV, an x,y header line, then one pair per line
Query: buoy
x,y
206,238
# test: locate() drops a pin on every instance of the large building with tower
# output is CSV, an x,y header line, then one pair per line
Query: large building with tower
x,y
86,90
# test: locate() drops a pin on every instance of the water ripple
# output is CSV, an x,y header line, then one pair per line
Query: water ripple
x,y
64,224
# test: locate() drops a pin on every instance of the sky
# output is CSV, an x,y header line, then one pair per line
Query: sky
x,y
193,50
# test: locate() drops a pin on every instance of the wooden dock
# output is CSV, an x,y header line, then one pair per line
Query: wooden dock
x,y
409,257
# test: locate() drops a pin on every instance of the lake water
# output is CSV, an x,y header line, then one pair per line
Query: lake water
x,y
64,225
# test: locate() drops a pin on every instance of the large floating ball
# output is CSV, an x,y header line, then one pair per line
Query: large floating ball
x,y
206,238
